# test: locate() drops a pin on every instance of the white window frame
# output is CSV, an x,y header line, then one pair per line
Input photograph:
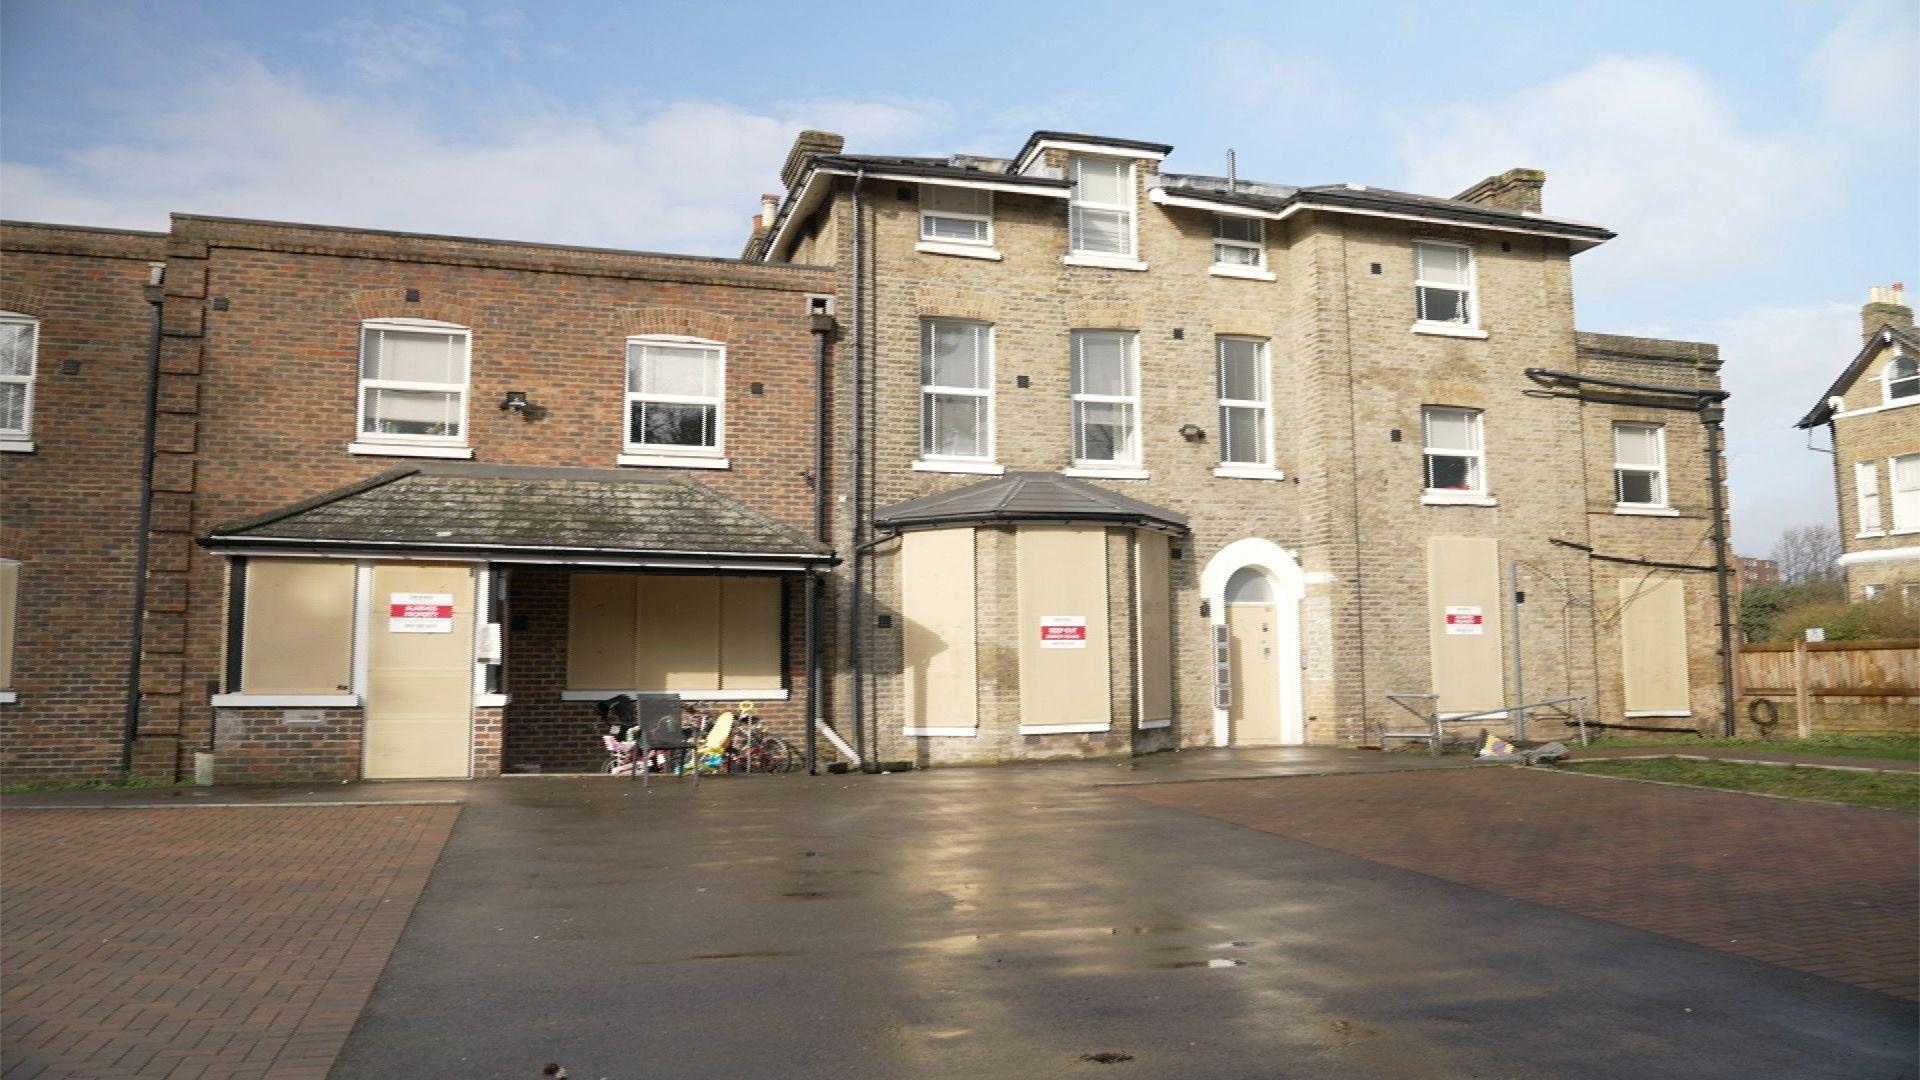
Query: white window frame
x,y
1887,380
1659,470
21,438
1265,406
1258,245
1471,290
1866,493
1477,493
927,213
1132,338
1130,208
633,453
932,389
1909,521
361,436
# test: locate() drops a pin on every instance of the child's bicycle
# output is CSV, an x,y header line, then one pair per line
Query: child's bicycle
x,y
752,750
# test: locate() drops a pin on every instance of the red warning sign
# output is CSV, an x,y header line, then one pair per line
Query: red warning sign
x,y
420,613
1464,619
1063,631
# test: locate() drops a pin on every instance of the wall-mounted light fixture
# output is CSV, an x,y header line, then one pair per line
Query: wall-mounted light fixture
x,y
515,401
1192,432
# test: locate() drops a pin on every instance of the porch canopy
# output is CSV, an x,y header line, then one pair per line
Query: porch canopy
x,y
1030,498
521,514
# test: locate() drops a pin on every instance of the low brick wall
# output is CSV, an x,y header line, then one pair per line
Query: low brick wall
x,y
267,746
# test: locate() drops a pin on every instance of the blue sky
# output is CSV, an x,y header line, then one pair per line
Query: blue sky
x,y
1761,161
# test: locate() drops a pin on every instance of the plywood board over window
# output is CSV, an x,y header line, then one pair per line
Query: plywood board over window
x,y
1153,607
1653,645
659,633
1063,576
297,627
938,627
9,602
1463,622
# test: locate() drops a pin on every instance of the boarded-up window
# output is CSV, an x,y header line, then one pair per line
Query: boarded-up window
x,y
1064,679
1653,645
937,632
9,601
661,632
1463,622
297,627
1154,596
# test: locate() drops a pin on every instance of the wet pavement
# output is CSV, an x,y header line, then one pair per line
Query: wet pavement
x,y
1033,921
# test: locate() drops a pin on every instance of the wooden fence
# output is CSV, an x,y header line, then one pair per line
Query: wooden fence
x,y
1835,686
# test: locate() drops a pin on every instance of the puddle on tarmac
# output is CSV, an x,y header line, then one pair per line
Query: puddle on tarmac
x,y
1216,962
809,894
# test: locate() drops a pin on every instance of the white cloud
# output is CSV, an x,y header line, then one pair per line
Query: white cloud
x,y
1645,146
1865,76
244,141
1777,362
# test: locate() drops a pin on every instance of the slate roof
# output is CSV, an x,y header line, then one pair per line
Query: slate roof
x,y
1882,338
1265,196
1026,496
464,508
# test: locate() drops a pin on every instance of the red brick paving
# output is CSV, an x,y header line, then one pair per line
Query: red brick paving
x,y
204,941
1830,890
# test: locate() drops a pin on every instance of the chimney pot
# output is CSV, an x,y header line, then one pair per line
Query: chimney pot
x,y
1886,306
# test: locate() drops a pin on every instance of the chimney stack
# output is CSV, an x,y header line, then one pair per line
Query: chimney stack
x,y
1515,189
1886,306
809,145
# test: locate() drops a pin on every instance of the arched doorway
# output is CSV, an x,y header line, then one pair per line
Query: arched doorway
x,y
1253,589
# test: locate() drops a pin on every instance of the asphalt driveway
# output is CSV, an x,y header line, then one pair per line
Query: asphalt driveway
x,y
1027,922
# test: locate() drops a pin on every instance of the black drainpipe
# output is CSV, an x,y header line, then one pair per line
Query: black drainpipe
x,y
822,334
131,725
855,625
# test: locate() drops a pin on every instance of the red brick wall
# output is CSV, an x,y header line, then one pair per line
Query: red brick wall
x,y
70,510
259,746
258,403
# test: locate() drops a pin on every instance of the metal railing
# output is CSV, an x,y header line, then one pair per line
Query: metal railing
x,y
1434,731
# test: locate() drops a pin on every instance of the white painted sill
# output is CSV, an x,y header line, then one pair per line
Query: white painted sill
x,y
1638,510
16,446
1149,725
683,695
1904,532
1248,472
965,251
940,732
1874,535
1658,715
376,449
1456,498
1096,472
284,701
1245,273
673,461
492,701
1064,729
978,468
8,697
1442,329
1105,262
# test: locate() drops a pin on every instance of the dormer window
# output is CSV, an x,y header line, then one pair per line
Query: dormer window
x,y
1903,378
1101,215
1239,242
951,215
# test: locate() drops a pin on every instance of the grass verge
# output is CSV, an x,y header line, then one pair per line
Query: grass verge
x,y
1886,790
1886,747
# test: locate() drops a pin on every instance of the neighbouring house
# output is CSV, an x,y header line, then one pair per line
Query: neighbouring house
x,y
416,503
1137,460
1872,417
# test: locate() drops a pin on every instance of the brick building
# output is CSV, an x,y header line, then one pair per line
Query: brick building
x,y
416,501
1757,571
1872,416
76,340
1136,459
